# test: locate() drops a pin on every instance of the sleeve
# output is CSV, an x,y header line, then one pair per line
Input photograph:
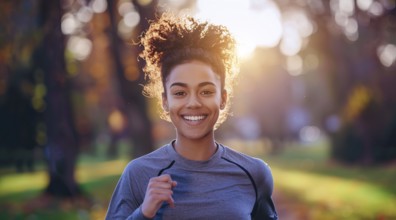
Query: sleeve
x,y
124,203
264,207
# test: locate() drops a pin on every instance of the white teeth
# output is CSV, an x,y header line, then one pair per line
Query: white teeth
x,y
194,118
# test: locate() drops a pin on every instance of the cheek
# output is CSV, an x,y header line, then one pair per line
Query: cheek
x,y
214,104
173,104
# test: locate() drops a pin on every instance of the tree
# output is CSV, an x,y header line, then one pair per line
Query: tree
x,y
350,41
134,106
61,148
18,117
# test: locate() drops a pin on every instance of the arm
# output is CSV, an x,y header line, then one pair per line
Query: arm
x,y
125,203
265,207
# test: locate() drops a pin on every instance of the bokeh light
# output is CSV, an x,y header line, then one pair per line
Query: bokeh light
x,y
256,25
116,121
85,14
69,24
310,133
80,47
387,54
99,6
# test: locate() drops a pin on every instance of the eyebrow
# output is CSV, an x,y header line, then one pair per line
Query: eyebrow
x,y
202,84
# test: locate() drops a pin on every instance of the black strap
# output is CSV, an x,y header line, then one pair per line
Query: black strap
x,y
251,180
168,167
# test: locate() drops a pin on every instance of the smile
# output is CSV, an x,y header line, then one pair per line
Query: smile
x,y
194,117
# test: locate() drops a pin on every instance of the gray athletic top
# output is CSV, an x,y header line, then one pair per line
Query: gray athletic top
x,y
230,185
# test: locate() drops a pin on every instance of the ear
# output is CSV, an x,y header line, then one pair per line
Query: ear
x,y
224,97
165,103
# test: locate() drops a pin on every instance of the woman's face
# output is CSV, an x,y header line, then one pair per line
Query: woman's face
x,y
193,99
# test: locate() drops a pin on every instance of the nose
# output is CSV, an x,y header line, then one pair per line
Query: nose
x,y
193,102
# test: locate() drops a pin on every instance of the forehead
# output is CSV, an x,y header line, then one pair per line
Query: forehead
x,y
193,73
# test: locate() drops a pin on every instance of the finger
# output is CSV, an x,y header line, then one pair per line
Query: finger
x,y
153,200
163,196
159,191
164,178
161,185
171,202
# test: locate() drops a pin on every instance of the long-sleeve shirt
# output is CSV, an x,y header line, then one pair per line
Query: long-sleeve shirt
x,y
230,185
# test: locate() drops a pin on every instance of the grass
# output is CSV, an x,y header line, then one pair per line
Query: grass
x,y
307,181
335,196
20,193
330,190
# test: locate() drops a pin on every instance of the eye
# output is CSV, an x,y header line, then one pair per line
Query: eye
x,y
179,93
207,92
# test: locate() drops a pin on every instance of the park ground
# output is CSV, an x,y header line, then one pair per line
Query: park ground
x,y
308,185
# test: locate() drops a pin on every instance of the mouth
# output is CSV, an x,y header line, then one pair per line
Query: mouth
x,y
194,118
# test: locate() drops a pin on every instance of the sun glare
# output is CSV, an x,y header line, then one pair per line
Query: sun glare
x,y
253,25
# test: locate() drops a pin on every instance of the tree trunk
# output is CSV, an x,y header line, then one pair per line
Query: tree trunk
x,y
61,149
135,106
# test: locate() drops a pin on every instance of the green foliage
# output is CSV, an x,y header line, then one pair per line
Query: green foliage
x,y
347,146
368,131
369,139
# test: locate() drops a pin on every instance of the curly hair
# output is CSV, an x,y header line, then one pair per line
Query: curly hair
x,y
172,40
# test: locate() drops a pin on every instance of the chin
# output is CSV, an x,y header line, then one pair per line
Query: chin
x,y
196,135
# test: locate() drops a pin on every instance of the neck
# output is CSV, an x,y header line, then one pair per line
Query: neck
x,y
198,150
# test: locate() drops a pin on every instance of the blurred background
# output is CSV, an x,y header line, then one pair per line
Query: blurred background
x,y
315,99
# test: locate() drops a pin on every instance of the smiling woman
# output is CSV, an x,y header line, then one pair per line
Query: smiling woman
x,y
193,100
189,40
190,66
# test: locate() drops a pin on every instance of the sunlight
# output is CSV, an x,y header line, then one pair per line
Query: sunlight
x,y
69,24
131,19
257,25
98,6
310,134
85,173
364,4
80,47
387,54
296,27
125,7
85,14
116,121
347,6
291,42
294,65
376,9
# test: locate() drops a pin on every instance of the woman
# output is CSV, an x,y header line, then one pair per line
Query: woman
x,y
190,66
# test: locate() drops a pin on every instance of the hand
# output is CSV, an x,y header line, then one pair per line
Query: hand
x,y
159,190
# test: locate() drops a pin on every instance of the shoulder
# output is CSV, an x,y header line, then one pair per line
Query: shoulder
x,y
258,169
150,163
250,162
